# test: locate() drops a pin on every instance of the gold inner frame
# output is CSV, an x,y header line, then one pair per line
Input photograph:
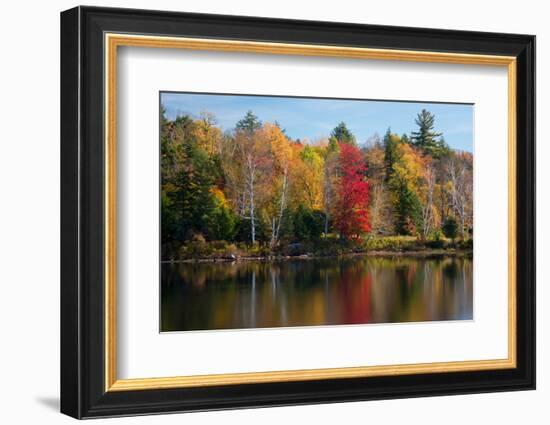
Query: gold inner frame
x,y
113,41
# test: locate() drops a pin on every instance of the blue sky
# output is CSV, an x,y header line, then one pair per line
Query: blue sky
x,y
315,118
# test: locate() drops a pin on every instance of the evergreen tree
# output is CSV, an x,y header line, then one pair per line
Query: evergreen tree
x,y
253,184
442,149
426,138
249,124
283,130
408,210
173,137
307,224
341,134
188,175
223,223
193,198
391,142
450,228
399,158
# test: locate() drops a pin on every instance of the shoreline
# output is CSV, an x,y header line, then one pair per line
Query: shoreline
x,y
426,253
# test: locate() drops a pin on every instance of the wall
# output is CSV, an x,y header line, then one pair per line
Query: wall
x,y
29,225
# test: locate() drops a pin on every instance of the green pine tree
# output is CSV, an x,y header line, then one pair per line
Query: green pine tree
x,y
341,134
391,156
408,210
250,123
426,138
450,228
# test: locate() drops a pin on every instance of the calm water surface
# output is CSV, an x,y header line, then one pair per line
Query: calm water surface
x,y
306,292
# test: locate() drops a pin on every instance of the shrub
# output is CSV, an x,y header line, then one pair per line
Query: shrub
x,y
450,227
390,243
222,223
294,249
232,249
254,250
330,246
466,244
436,240
265,251
308,224
219,245
195,249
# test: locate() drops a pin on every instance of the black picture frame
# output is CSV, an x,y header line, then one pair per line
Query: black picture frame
x,y
83,392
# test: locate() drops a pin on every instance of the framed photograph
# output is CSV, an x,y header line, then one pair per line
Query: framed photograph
x,y
261,212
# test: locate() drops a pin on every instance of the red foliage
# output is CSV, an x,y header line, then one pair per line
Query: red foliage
x,y
351,215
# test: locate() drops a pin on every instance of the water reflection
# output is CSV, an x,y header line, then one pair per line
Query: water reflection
x,y
326,291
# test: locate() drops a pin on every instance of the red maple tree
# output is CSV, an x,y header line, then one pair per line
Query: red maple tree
x,y
351,216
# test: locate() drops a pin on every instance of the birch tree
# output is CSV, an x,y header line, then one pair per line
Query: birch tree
x,y
279,177
461,188
252,157
428,214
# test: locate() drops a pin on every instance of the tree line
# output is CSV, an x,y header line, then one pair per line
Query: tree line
x,y
256,185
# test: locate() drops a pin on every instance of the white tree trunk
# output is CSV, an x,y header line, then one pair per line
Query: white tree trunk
x,y
251,183
459,195
427,213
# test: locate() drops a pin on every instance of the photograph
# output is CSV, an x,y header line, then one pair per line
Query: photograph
x,y
280,211
292,209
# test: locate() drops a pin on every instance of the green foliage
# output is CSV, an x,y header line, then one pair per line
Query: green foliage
x,y
309,155
437,235
249,123
210,180
193,198
242,230
426,138
467,244
215,250
340,134
169,222
308,224
408,210
450,227
441,149
391,155
188,175
436,240
195,249
425,135
390,243
401,178
223,223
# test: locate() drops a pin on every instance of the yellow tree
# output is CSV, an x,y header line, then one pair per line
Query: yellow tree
x,y
276,187
406,179
410,166
307,174
380,205
249,160
207,134
430,214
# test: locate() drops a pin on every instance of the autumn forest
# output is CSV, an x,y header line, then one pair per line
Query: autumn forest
x,y
255,191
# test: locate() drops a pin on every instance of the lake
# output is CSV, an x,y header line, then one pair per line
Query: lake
x,y
308,292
